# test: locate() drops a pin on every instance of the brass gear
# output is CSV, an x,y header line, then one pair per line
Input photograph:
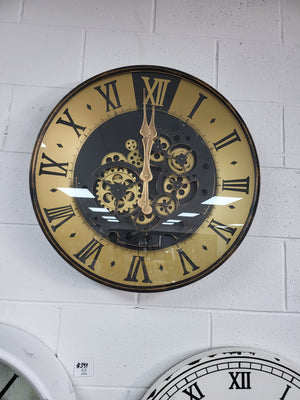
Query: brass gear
x,y
160,146
131,144
165,205
181,160
178,185
113,157
144,219
134,158
118,190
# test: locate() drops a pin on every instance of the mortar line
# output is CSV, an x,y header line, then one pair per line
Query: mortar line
x,y
153,16
285,278
280,21
58,331
83,53
216,63
21,12
283,134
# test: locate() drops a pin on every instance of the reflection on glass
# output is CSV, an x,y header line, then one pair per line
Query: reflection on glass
x,y
221,201
77,192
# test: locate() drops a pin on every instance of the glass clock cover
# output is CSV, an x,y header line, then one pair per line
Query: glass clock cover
x,y
144,178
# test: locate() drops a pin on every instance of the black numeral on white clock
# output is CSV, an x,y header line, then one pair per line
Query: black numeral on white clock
x,y
240,380
110,95
194,392
283,397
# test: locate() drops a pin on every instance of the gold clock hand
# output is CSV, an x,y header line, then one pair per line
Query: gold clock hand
x,y
149,133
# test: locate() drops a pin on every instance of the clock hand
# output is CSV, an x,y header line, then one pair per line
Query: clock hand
x,y
8,385
149,133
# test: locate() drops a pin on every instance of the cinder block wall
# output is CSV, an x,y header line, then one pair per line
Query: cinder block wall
x,y
249,51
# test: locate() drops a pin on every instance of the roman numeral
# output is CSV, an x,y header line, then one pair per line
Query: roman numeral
x,y
156,93
285,392
196,106
236,185
183,258
231,138
136,262
63,214
71,123
191,392
220,229
111,97
91,250
240,380
52,167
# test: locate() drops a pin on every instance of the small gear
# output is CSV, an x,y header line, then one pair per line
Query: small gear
x,y
165,205
159,148
113,157
118,190
181,160
178,186
131,144
135,159
142,219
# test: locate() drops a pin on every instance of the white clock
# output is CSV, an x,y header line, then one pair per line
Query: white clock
x,y
229,374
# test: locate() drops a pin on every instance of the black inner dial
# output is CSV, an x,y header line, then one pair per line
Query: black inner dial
x,y
109,165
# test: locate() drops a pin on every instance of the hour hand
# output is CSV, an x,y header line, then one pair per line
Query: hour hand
x,y
149,133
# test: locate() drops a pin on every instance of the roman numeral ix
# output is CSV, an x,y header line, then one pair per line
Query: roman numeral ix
x,y
53,167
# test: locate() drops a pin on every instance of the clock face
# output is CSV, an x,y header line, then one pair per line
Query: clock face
x,y
13,386
144,178
229,374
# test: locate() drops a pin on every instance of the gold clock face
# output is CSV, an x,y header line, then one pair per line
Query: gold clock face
x,y
144,178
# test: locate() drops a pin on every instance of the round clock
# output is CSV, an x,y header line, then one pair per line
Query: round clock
x,y
227,374
144,178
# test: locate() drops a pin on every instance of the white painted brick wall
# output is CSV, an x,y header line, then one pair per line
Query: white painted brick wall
x,y
248,50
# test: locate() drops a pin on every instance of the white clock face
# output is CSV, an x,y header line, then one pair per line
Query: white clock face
x,y
13,387
229,374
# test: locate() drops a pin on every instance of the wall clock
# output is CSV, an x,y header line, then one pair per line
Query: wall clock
x,y
144,178
227,374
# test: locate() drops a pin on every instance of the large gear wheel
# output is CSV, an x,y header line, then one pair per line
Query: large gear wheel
x,y
179,186
181,160
118,190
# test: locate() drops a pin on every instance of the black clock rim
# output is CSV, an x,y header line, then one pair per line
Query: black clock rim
x,y
127,287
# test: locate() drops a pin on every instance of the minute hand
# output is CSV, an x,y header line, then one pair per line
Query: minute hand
x,y
149,133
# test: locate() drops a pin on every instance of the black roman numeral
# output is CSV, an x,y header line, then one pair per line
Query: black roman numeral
x,y
92,249
285,392
221,229
191,393
231,138
63,214
183,258
136,262
236,185
53,167
71,123
111,97
197,105
156,93
240,380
